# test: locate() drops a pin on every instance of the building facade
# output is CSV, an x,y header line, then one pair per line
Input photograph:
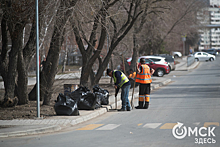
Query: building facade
x,y
210,37
214,2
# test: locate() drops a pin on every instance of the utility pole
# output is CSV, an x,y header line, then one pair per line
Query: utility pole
x,y
37,60
184,39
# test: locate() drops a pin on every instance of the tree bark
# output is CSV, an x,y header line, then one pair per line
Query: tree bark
x,y
3,56
135,52
17,36
13,68
22,80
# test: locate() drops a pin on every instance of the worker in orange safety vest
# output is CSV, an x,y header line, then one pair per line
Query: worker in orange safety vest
x,y
144,73
132,74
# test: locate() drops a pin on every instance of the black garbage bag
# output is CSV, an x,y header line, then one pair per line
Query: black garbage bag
x,y
105,99
66,106
87,101
77,94
104,93
99,97
84,89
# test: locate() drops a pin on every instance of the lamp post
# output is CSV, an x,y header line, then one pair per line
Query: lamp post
x,y
184,39
37,60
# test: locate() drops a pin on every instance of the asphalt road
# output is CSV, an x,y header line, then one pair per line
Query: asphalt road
x,y
193,98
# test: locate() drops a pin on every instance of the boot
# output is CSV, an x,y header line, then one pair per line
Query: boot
x,y
146,105
122,109
128,108
140,105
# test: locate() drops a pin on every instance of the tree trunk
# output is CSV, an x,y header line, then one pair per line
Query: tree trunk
x,y
16,65
3,56
135,52
50,69
17,36
22,80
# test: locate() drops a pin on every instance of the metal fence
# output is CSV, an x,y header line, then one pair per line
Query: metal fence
x,y
190,60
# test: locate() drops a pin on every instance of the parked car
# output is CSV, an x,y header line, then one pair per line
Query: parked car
x,y
177,54
211,51
158,60
160,69
169,59
203,56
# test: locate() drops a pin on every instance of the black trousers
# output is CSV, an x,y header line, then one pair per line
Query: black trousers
x,y
144,89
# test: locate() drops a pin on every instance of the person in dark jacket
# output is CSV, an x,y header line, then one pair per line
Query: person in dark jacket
x,y
121,81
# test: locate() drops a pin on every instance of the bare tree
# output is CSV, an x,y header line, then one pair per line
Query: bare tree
x,y
95,43
15,60
168,27
150,7
16,15
47,76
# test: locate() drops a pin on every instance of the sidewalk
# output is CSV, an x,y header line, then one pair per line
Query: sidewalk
x,y
23,127
32,80
182,66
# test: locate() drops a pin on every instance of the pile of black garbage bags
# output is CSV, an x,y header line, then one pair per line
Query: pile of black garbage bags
x,y
81,99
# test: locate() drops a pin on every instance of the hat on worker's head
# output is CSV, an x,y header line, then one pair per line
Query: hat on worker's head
x,y
108,71
142,60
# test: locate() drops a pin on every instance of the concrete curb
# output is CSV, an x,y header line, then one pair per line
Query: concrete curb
x,y
194,65
95,113
160,84
42,130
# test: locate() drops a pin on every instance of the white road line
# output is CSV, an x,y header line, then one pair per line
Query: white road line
x,y
108,127
152,125
196,123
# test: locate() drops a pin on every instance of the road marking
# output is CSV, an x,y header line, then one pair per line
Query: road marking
x,y
140,124
168,126
90,127
196,123
152,125
108,127
147,125
207,124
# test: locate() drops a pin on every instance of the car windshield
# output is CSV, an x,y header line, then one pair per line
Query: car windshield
x,y
155,60
209,51
147,61
169,59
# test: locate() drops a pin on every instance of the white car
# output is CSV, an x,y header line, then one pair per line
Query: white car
x,y
177,54
157,59
203,56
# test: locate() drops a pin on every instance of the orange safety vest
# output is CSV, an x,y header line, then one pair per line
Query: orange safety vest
x,y
144,77
132,76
